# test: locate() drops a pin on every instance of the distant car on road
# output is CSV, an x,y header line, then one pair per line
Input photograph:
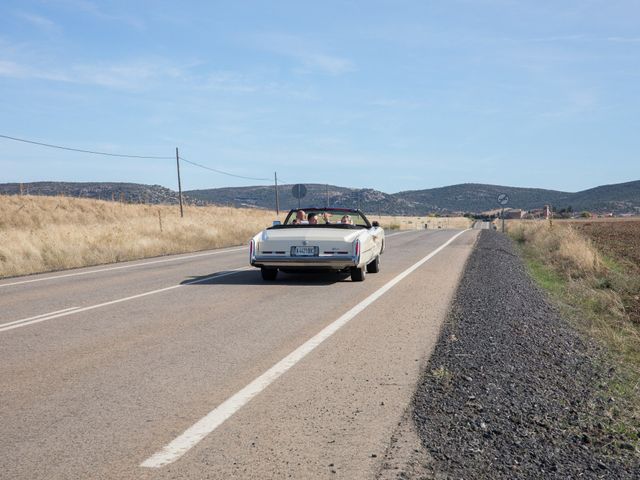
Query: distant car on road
x,y
314,239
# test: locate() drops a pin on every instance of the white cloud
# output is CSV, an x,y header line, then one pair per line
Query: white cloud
x,y
12,69
324,63
129,76
94,10
39,21
309,59
132,75
624,39
396,103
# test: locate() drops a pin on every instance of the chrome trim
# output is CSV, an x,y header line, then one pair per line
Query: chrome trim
x,y
333,261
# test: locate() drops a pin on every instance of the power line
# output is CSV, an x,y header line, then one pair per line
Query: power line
x,y
151,157
84,151
222,172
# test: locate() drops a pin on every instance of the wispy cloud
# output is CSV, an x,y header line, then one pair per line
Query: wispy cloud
x,y
232,82
128,76
131,75
309,59
11,69
624,39
91,8
396,103
585,38
39,21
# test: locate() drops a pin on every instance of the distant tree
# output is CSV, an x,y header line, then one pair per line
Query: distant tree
x,y
586,215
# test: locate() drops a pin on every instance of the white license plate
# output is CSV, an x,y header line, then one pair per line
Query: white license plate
x,y
304,251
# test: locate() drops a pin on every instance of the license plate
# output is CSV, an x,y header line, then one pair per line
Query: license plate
x,y
304,251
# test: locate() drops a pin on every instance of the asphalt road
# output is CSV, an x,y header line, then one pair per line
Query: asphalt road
x,y
104,369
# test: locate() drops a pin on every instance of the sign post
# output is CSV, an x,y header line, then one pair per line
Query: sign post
x,y
275,176
503,199
299,191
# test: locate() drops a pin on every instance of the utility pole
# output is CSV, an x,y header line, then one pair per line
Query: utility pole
x,y
327,195
179,183
275,176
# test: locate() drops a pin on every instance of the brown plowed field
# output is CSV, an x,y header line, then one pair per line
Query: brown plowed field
x,y
619,239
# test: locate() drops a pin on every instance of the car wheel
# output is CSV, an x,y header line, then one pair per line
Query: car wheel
x,y
374,265
358,274
269,274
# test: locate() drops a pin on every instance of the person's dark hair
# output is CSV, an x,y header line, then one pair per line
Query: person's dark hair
x,y
312,215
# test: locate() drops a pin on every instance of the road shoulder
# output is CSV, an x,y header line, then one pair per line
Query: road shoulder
x,y
511,389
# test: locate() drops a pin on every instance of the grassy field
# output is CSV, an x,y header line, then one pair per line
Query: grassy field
x,y
591,272
39,234
42,234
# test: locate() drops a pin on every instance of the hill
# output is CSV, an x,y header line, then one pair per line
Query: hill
x,y
127,192
619,197
317,194
474,197
467,197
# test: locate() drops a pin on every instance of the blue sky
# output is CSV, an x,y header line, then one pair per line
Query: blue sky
x,y
392,95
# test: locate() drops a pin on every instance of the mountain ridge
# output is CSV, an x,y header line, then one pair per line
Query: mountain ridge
x,y
620,198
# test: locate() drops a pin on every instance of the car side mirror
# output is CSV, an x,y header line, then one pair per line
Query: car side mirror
x,y
375,224
277,222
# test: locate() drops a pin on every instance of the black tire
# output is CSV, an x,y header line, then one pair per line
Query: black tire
x,y
269,274
374,265
358,274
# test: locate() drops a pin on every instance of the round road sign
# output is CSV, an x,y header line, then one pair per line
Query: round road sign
x,y
299,191
503,199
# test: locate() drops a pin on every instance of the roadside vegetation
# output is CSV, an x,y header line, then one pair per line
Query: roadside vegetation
x,y
595,284
40,234
44,233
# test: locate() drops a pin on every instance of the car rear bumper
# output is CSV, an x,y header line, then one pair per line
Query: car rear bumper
x,y
334,262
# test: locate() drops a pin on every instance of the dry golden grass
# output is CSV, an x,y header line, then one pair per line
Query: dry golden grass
x,y
39,234
561,245
594,292
418,223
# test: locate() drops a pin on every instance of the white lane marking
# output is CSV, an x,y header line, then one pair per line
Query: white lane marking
x,y
37,316
53,315
164,260
216,417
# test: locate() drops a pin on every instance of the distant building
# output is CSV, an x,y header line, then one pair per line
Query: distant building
x,y
514,214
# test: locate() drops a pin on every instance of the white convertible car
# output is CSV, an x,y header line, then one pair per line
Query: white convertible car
x,y
336,239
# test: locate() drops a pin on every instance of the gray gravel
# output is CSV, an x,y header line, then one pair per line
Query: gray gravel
x,y
511,390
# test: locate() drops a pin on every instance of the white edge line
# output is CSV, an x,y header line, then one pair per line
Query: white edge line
x,y
164,260
203,427
37,316
45,317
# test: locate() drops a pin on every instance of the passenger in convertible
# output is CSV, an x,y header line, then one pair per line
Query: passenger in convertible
x,y
300,218
313,219
346,220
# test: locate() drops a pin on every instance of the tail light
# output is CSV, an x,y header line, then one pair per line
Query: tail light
x,y
357,252
251,250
